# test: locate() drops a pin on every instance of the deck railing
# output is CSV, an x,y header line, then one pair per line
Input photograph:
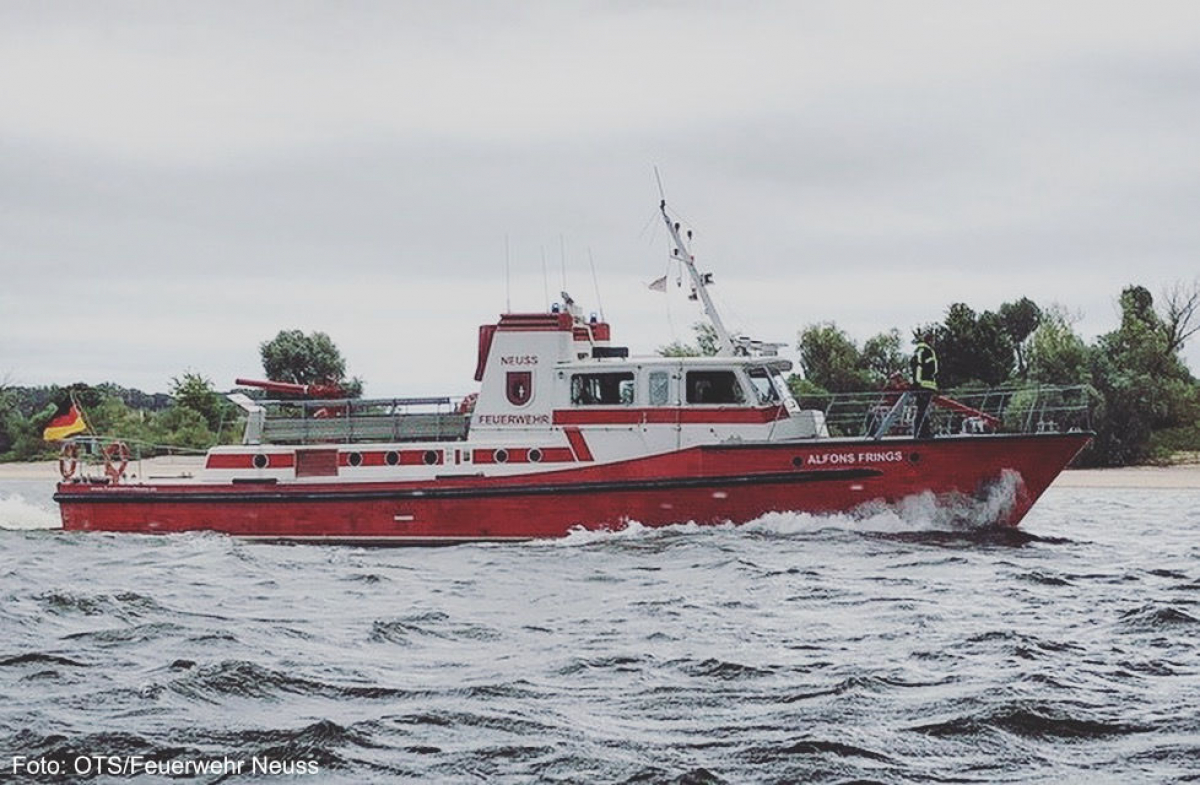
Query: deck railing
x,y
1028,409
363,420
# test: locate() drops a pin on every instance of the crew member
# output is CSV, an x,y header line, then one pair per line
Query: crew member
x,y
924,365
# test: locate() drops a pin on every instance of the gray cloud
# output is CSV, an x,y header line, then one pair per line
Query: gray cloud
x,y
204,175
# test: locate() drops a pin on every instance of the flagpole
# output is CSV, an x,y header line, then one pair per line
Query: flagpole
x,y
86,424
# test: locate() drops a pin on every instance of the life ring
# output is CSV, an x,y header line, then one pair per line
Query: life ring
x,y
68,460
467,404
116,458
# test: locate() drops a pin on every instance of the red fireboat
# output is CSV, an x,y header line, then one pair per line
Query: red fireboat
x,y
568,431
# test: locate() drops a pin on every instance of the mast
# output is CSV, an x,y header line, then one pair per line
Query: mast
x,y
699,282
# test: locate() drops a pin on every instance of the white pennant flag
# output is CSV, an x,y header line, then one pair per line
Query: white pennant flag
x,y
660,285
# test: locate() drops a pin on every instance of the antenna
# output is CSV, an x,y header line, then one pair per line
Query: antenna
x,y
699,282
507,277
562,260
596,285
545,281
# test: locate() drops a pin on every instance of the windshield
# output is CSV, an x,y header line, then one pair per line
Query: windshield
x,y
760,379
785,393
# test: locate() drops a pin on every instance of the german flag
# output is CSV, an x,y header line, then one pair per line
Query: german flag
x,y
67,420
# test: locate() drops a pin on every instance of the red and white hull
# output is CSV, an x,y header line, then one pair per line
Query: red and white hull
x,y
568,431
707,484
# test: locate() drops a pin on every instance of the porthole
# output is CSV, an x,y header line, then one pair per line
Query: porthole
x,y
535,455
915,457
430,457
261,461
391,458
500,456
798,461
354,459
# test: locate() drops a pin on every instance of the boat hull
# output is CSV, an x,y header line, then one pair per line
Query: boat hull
x,y
733,482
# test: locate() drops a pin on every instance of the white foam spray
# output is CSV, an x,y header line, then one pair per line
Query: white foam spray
x,y
920,512
17,513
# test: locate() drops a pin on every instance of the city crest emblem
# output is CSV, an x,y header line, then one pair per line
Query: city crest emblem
x,y
519,387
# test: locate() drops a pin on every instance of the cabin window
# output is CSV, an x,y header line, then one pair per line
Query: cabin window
x,y
760,380
602,389
714,387
659,388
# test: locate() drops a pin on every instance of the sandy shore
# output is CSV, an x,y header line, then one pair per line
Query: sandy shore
x,y
1167,477
1185,475
167,466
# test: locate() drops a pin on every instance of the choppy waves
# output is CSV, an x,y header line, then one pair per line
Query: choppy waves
x,y
894,645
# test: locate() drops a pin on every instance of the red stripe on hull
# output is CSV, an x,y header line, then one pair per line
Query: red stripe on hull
x,y
705,484
245,460
278,460
578,444
659,416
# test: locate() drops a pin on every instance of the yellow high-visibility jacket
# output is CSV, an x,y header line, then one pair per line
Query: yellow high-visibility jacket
x,y
924,366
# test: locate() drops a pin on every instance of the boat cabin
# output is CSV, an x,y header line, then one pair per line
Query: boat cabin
x,y
553,389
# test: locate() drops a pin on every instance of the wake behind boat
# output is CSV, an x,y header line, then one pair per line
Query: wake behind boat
x,y
568,431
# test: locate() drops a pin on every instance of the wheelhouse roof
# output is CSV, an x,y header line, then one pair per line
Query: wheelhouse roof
x,y
698,363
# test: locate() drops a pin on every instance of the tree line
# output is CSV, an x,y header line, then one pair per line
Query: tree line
x,y
1145,402
192,416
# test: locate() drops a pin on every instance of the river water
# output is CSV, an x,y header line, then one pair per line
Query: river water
x,y
893,646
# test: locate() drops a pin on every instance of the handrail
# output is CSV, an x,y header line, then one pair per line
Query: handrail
x,y
1026,409
346,420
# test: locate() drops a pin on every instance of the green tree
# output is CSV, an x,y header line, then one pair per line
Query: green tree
x,y
882,356
678,349
140,419
971,348
807,394
1055,353
1020,319
24,414
195,392
26,442
705,345
182,426
831,360
1144,384
292,356
1181,304
8,415
116,419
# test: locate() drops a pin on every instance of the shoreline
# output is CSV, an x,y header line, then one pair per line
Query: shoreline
x,y
150,468
1183,476
1180,476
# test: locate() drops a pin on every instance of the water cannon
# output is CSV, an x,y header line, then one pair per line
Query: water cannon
x,y
299,390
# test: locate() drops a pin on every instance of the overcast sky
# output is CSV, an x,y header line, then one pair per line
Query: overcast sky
x,y
180,181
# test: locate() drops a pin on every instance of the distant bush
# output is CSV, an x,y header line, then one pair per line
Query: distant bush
x,y
160,424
